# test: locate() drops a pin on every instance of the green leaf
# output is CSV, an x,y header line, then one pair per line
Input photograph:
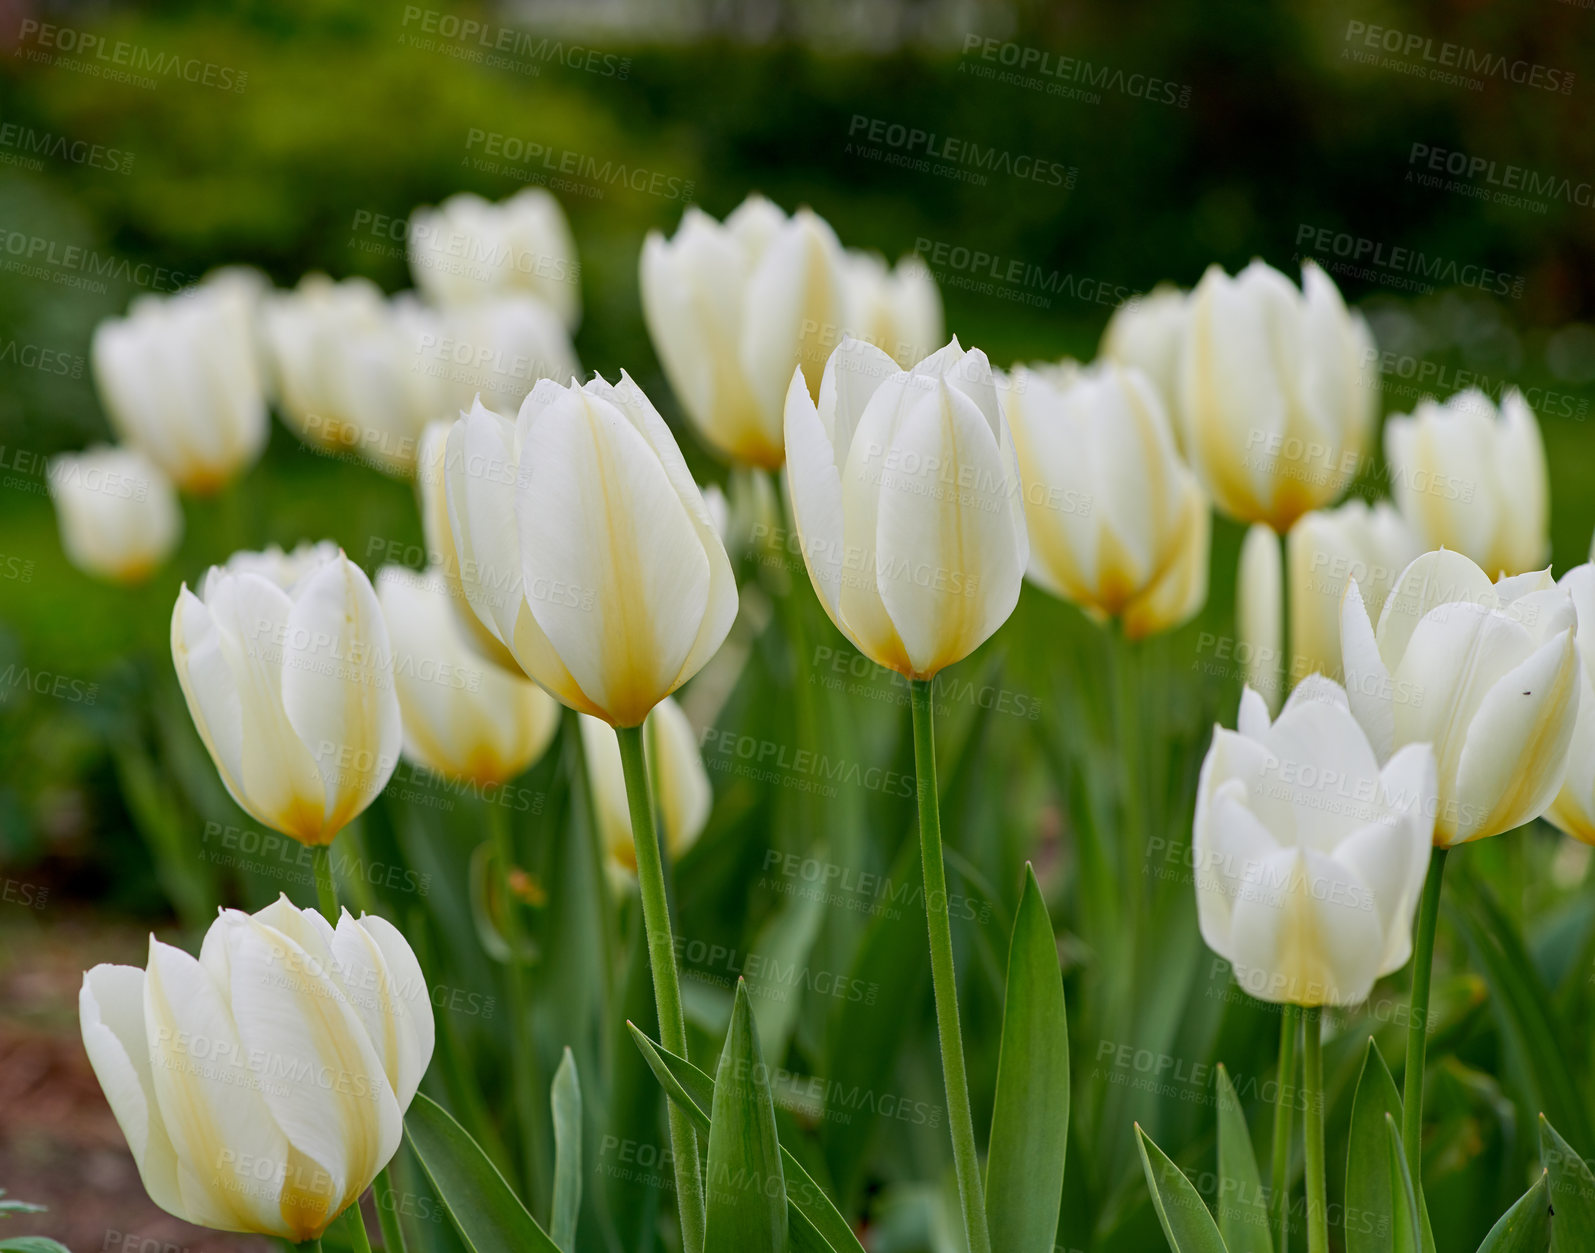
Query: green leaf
x,y
1242,1203
487,1213
1526,1227
1572,1193
746,1191
1186,1222
32,1244
566,1101
1404,1228
693,1090
1370,1206
1030,1116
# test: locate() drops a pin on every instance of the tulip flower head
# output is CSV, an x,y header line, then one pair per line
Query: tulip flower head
x,y
1573,810
262,1085
1148,333
1116,521
905,488
464,717
287,668
118,514
1276,395
585,547
1472,479
1310,856
1487,673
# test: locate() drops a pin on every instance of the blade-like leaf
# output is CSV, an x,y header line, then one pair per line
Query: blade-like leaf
x,y
1242,1203
32,1244
1526,1227
1404,1230
1370,1203
1572,1193
1030,1117
746,1191
1186,1222
565,1098
487,1213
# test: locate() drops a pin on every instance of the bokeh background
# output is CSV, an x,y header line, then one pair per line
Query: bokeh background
x,y
1199,134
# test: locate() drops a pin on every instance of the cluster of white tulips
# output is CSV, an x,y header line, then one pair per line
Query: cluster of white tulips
x,y
1443,694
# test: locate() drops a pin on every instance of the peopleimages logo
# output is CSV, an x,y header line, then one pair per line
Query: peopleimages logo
x,y
1501,181
1357,256
1409,52
929,152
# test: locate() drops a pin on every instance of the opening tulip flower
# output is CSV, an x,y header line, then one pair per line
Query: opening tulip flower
x,y
118,514
262,1085
1487,673
1309,856
287,667
906,493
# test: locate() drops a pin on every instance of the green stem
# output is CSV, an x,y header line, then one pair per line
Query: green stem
x,y
308,1246
662,961
326,889
388,1213
1312,1058
354,1226
1418,1020
609,943
1279,1197
943,977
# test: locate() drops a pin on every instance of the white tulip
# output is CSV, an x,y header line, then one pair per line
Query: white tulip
x,y
1275,394
180,378
1573,810
585,547
1487,673
463,717
906,493
118,514
497,349
261,1086
468,249
1148,332
681,791
1259,589
898,310
1117,522
1326,548
288,671
1473,480
732,307
1310,858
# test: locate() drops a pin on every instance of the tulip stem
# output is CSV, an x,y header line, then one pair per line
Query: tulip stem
x,y
326,889
354,1226
387,1213
1312,1064
1284,1106
944,978
1418,1020
662,961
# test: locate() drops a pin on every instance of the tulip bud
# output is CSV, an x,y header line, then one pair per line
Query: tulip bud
x,y
905,489
1117,523
732,308
288,672
1275,392
1259,586
680,789
180,378
1148,332
118,513
585,547
899,311
1473,480
463,716
261,1086
1488,674
1573,810
1310,858
468,249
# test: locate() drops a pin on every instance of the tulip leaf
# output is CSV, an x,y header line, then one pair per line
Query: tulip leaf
x,y
1526,1227
1572,1193
566,1101
1242,1203
1370,1202
1030,1118
1404,1226
487,1214
1180,1209
746,1192
693,1091
32,1244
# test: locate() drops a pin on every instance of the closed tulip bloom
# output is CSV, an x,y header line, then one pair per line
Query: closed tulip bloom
x,y
906,493
1487,673
681,791
1573,810
1275,392
1117,522
469,249
180,378
117,512
732,307
1371,544
585,547
898,310
1473,479
463,716
261,1086
1148,332
288,671
1310,856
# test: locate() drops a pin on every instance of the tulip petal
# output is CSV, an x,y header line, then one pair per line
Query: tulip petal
x,y
210,690
815,484
1368,684
390,996
479,484
1434,579
1228,846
